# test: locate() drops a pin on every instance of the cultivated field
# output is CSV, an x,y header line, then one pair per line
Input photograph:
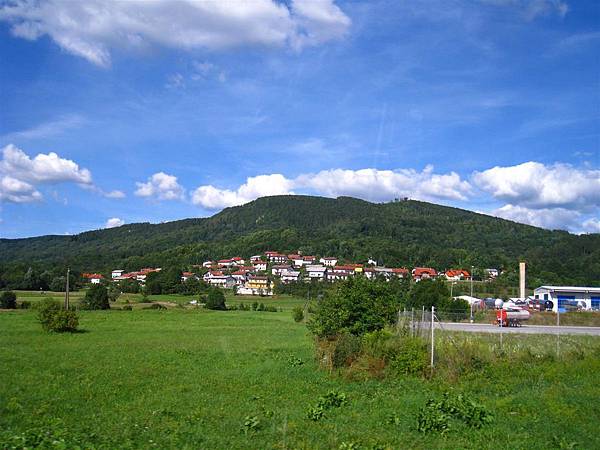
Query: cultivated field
x,y
192,379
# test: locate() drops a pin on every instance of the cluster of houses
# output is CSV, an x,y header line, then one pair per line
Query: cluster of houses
x,y
254,276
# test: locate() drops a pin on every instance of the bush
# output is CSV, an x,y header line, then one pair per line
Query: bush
x,y
127,308
346,349
298,314
437,415
8,300
411,357
215,300
95,298
25,304
358,306
54,318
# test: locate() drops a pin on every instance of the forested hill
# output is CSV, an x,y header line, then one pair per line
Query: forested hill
x,y
402,233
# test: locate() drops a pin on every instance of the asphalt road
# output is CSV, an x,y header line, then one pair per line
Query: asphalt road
x,y
525,329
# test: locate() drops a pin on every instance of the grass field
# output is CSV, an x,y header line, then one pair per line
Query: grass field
x,y
191,378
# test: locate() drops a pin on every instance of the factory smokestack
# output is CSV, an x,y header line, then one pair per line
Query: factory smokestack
x,y
522,280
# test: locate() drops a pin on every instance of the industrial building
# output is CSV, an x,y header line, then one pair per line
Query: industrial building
x,y
569,297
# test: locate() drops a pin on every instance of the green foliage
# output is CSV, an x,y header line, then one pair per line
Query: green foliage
x,y
129,286
8,300
346,348
215,300
410,356
251,425
298,314
332,399
95,298
398,233
114,292
437,415
429,293
53,318
357,307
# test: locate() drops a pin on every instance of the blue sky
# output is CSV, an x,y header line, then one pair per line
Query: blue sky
x,y
120,112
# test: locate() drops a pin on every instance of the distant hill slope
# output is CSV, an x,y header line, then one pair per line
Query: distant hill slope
x,y
400,233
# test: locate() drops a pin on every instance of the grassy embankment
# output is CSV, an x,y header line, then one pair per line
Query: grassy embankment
x,y
191,378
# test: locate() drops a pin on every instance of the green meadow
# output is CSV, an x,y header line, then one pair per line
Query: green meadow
x,y
197,379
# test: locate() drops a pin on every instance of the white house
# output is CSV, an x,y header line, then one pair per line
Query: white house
x,y
328,261
261,266
492,273
238,261
337,275
569,297
316,272
117,273
277,270
208,264
290,276
219,279
187,275
240,277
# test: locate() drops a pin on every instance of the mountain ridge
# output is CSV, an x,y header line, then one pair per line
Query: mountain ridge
x,y
404,232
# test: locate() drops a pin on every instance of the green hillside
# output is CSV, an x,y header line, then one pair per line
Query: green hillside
x,y
402,233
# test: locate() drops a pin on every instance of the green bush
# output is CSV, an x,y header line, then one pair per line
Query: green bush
x,y
437,415
54,318
127,308
346,349
8,300
298,314
25,304
95,298
215,300
410,357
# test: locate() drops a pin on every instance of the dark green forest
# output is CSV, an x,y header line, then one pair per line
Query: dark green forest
x,y
400,233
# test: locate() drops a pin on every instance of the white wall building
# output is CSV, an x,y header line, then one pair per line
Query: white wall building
x,y
328,261
117,273
569,297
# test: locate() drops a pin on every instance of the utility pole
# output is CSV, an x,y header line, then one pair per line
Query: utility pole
x,y
432,335
472,269
67,290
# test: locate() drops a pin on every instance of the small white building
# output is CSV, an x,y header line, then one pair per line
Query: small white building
x,y
328,261
316,272
278,269
117,273
260,266
208,264
569,297
290,276
219,279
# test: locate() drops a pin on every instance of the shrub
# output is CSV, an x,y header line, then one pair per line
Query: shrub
x,y
298,314
95,298
437,415
25,304
346,349
254,306
411,356
127,308
215,300
8,300
358,306
54,318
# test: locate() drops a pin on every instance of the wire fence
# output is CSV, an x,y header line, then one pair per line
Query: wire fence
x,y
453,330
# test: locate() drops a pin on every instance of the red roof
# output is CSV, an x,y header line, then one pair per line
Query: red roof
x,y
239,272
294,257
89,276
216,273
224,261
330,258
400,270
187,274
236,258
420,271
457,273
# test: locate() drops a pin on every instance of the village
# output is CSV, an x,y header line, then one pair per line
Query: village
x,y
257,275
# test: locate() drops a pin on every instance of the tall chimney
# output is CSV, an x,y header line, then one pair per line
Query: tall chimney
x,y
522,280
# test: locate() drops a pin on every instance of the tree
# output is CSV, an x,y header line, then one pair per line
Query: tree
x,y
54,318
8,300
215,300
96,298
429,293
113,292
357,307
58,284
130,286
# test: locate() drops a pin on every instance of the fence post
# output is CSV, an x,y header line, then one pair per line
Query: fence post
x,y
557,332
412,322
432,334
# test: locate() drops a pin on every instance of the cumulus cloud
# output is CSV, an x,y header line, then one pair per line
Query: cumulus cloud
x,y
114,222
538,186
591,225
210,197
551,218
162,187
385,185
44,168
91,29
369,184
17,191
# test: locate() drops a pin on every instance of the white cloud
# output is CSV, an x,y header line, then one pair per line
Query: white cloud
x,y
114,194
591,225
535,185
114,222
17,191
531,9
551,218
47,129
44,168
385,185
161,186
369,184
91,29
210,197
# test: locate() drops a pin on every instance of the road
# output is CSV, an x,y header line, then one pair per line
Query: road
x,y
525,329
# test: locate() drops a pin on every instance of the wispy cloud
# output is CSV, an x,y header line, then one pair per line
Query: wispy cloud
x,y
47,129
